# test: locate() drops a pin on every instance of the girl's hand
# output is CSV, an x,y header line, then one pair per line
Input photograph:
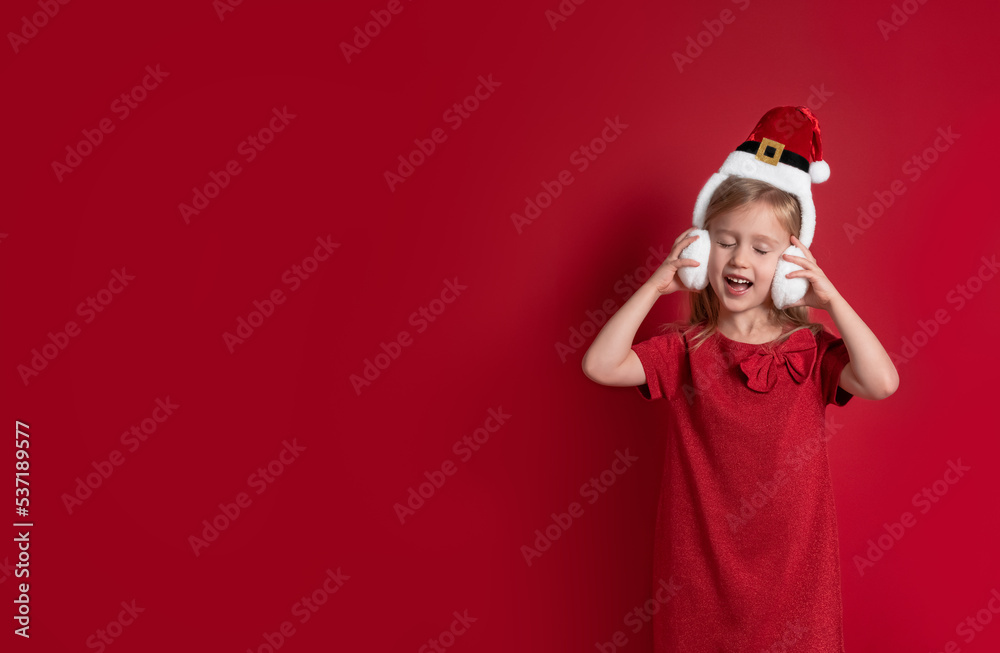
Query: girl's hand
x,y
665,279
821,291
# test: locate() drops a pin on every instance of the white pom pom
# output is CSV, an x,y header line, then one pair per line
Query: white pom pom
x,y
819,171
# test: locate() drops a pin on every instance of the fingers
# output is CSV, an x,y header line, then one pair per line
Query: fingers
x,y
684,236
681,244
798,259
805,250
808,274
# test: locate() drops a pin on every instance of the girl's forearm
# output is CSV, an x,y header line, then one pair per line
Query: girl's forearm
x,y
870,362
612,345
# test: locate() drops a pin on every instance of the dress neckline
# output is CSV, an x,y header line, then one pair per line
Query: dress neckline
x,y
739,343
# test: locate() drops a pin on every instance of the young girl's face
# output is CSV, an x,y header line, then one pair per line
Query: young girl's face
x,y
746,243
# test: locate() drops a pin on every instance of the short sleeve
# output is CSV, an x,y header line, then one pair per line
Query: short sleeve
x,y
662,359
834,357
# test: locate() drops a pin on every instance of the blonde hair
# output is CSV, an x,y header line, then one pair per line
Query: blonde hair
x,y
732,195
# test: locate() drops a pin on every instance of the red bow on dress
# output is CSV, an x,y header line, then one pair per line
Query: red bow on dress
x,y
797,354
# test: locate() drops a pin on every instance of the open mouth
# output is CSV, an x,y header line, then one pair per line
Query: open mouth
x,y
738,286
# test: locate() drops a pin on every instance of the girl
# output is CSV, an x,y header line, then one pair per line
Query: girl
x,y
746,525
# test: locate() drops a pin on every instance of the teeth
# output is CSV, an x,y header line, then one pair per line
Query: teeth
x,y
737,280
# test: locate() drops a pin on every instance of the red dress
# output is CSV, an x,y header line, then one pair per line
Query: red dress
x,y
746,528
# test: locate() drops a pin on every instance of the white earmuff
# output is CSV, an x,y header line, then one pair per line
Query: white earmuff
x,y
786,291
695,277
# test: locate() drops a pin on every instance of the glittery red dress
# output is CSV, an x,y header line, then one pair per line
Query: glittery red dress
x,y
746,525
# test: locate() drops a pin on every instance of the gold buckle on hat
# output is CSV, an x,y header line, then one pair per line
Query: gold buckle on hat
x,y
778,149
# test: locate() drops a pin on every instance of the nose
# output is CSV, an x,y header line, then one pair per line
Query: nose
x,y
738,257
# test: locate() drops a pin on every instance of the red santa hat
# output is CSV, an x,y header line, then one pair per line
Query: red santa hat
x,y
785,150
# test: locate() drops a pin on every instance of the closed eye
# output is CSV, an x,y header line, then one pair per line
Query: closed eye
x,y
725,246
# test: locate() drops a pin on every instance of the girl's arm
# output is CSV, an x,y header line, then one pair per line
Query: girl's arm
x,y
610,359
870,374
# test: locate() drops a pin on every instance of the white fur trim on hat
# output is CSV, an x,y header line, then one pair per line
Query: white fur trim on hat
x,y
705,196
783,176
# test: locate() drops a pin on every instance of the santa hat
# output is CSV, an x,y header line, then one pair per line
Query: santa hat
x,y
784,150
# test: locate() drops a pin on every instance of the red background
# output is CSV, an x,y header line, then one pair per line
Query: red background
x,y
495,346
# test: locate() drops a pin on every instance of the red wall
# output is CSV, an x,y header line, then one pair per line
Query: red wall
x,y
493,346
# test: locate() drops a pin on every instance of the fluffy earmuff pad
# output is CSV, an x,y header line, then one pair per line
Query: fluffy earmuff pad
x,y
786,291
695,277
